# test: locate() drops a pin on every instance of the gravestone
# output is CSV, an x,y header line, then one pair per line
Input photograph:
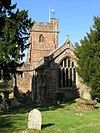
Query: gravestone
x,y
86,95
34,119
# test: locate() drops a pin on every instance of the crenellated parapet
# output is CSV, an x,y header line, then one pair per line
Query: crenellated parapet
x,y
46,27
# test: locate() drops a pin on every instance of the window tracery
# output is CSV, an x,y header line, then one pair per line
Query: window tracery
x,y
67,73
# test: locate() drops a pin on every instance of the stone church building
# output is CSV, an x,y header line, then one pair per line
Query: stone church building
x,y
50,69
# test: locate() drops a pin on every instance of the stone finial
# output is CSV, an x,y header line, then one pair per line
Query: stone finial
x,y
34,119
68,40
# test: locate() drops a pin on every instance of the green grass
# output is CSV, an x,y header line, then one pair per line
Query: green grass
x,y
65,118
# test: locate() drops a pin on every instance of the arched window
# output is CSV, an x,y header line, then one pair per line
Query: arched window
x,y
41,38
67,74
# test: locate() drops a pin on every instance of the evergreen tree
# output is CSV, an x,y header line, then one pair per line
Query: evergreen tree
x,y
14,33
88,58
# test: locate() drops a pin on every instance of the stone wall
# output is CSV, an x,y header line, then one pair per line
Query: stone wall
x,y
49,71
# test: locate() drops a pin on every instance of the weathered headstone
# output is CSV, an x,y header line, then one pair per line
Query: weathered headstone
x,y
34,119
86,95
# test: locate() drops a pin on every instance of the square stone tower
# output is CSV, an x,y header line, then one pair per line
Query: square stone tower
x,y
44,39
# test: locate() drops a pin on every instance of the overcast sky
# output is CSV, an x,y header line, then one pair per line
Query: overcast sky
x,y
75,16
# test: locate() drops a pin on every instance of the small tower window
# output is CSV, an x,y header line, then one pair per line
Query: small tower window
x,y
41,38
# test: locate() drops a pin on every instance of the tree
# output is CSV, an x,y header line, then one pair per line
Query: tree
x,y
88,58
14,33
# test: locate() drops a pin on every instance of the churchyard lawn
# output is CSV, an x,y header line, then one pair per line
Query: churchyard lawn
x,y
65,118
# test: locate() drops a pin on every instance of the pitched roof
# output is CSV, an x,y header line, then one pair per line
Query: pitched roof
x,y
54,54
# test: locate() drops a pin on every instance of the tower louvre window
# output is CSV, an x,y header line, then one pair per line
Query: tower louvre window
x,y
41,38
